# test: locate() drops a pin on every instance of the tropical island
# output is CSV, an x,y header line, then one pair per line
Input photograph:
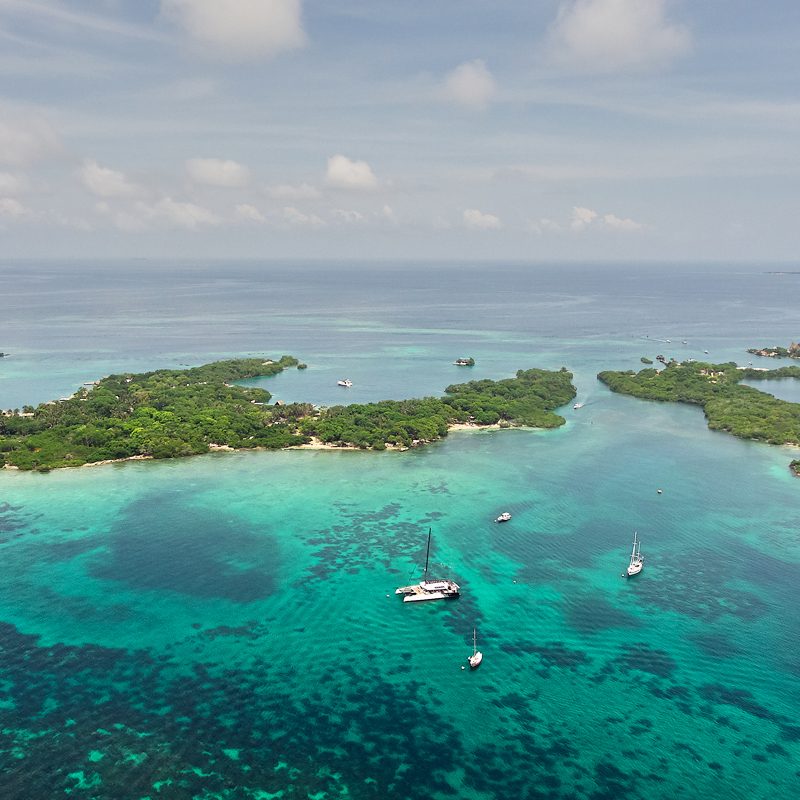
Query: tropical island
x,y
171,413
792,351
728,404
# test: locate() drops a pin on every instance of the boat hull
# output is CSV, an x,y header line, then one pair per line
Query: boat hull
x,y
429,590
422,596
475,660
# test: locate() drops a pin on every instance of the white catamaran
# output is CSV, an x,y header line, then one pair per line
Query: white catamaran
x,y
476,657
637,559
428,589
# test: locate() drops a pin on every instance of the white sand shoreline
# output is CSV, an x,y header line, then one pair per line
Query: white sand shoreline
x,y
315,444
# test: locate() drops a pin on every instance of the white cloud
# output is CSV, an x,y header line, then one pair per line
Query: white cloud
x,y
349,217
183,215
10,184
217,172
617,224
344,173
166,213
293,216
545,225
582,218
125,220
239,30
248,213
26,140
172,214
610,35
105,182
303,191
88,23
9,207
470,85
477,219
62,220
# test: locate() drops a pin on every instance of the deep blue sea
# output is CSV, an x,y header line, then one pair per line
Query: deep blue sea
x,y
225,626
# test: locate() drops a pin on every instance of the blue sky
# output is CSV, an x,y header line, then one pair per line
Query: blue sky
x,y
650,130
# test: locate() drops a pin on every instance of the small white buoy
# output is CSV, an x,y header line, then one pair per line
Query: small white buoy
x,y
462,667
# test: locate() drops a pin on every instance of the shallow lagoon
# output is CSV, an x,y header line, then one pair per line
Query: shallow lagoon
x,y
220,626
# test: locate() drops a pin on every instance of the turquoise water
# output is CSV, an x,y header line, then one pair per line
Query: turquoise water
x,y
225,626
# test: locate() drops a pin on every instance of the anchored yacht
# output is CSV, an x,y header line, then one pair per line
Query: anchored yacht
x,y
442,589
637,559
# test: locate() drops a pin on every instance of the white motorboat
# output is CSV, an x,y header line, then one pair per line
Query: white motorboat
x,y
346,382
504,517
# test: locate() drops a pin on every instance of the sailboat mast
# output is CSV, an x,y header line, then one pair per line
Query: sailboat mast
x,y
427,555
474,643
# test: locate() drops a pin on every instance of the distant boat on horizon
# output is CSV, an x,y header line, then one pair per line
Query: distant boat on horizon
x,y
346,382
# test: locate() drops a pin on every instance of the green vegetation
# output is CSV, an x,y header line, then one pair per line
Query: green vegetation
x,y
161,414
527,399
728,405
795,467
171,413
646,360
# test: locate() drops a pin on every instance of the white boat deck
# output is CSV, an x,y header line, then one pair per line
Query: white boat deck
x,y
428,590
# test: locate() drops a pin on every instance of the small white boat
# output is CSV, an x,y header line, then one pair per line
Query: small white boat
x,y
346,382
504,517
578,405
659,491
637,559
476,657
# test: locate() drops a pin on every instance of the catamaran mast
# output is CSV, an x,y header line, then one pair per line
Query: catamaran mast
x,y
427,554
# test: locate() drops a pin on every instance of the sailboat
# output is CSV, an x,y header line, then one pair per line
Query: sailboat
x,y
637,559
476,657
442,589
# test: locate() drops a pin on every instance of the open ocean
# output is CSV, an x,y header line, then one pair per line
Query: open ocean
x,y
225,626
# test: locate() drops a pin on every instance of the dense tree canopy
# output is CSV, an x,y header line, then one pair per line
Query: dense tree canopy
x,y
162,414
527,399
169,413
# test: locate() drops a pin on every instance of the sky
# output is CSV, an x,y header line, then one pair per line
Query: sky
x,y
547,130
